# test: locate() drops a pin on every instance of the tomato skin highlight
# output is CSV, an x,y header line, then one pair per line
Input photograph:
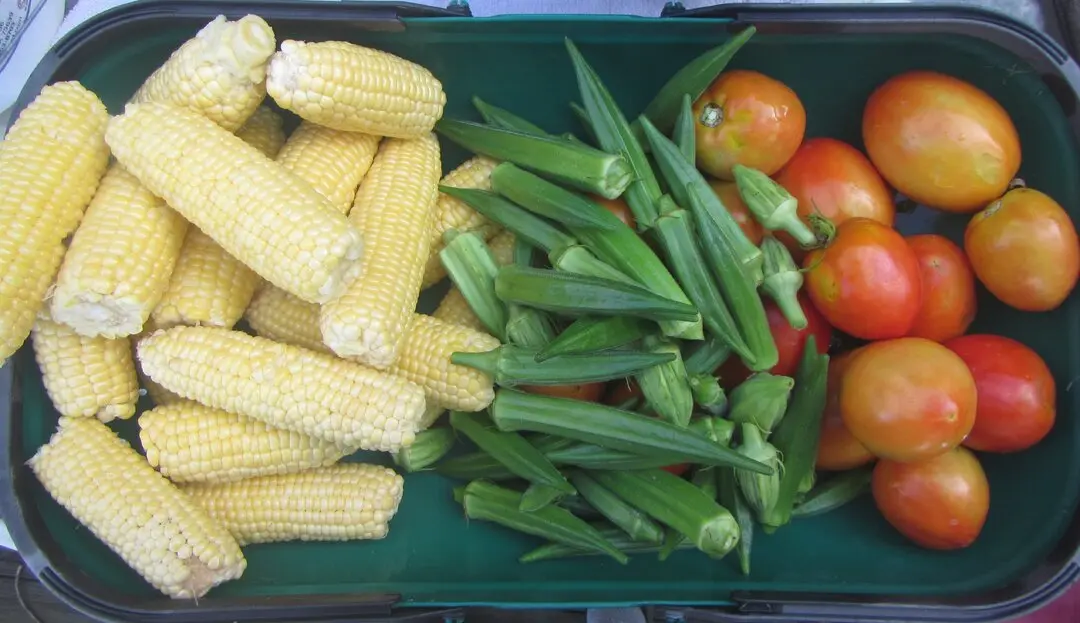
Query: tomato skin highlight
x,y
1017,395
948,289
940,503
837,181
941,141
867,282
761,123
617,207
729,195
838,449
1024,249
588,392
908,399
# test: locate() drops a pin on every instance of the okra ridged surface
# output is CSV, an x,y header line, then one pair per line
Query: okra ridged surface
x,y
454,308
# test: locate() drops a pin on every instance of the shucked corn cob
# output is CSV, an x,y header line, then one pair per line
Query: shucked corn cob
x,y
393,211
86,376
349,87
332,161
254,208
50,164
220,73
454,308
277,315
342,502
209,286
190,442
285,386
159,531
452,213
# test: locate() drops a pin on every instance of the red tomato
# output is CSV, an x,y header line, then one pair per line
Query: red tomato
x,y
729,195
908,399
678,469
589,392
866,283
838,449
948,289
617,207
1024,249
747,118
1016,393
940,503
789,343
835,180
941,141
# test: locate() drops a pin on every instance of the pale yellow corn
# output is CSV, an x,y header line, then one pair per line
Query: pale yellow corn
x,y
159,531
285,386
258,211
332,161
349,87
454,308
190,442
425,360
431,415
342,502
158,394
220,73
264,131
85,376
452,213
50,164
120,259
277,315
393,211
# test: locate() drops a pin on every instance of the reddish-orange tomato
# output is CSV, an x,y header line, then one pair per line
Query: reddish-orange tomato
x,y
940,503
1024,249
1016,393
617,207
838,449
747,118
835,180
729,195
589,392
948,289
908,399
789,343
941,141
866,283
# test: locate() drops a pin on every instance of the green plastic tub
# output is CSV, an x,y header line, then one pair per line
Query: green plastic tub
x,y
847,565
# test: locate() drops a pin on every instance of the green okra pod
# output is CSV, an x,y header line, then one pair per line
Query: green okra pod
x,y
547,199
586,123
510,449
761,400
474,466
537,496
472,268
430,446
637,524
590,456
772,205
715,428
590,335
835,492
683,134
513,365
677,504
616,536
607,427
502,118
704,478
489,502
581,166
708,394
732,499
666,387
761,491
782,281
707,357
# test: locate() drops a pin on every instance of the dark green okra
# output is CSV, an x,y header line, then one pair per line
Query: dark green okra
x,y
537,496
666,387
510,449
782,281
502,118
563,207
732,499
472,268
616,536
590,335
637,524
704,478
684,132
429,446
513,365
761,400
834,492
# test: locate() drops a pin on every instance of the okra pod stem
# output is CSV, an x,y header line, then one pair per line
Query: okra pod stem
x,y
430,446
528,327
616,536
513,365
637,525
581,166
510,449
683,134
581,261
772,205
525,225
761,400
666,387
595,335
537,496
678,504
502,118
760,491
472,268
834,492
586,123
707,357
708,394
605,426
546,199
782,281
486,501
715,428
732,499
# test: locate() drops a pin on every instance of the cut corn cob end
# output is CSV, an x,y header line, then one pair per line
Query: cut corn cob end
x,y
158,531
343,502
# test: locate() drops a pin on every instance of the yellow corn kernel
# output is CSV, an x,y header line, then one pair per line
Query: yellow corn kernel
x,y
258,211
120,259
264,131
160,532
220,73
338,503
158,394
454,308
452,213
50,164
285,386
349,87
431,415
190,442
277,315
425,360
332,161
393,211
86,376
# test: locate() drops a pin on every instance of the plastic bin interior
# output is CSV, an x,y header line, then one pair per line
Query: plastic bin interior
x,y
433,556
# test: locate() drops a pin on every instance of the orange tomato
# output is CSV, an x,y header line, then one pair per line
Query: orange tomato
x,y
866,282
620,391
838,449
1024,249
941,141
729,195
948,289
617,207
908,399
748,118
589,392
835,180
1016,393
940,503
